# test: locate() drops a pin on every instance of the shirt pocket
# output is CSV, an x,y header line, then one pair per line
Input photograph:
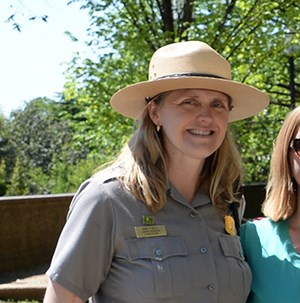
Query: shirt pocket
x,y
239,274
160,266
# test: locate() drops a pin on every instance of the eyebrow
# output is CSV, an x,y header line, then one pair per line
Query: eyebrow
x,y
228,98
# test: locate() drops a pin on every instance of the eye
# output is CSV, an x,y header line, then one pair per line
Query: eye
x,y
191,102
219,104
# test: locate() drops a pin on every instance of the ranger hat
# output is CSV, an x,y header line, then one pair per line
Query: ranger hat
x,y
189,65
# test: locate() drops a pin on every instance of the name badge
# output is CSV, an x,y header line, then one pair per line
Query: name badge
x,y
150,231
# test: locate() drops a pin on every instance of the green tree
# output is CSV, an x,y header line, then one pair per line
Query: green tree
x,y
67,178
51,147
3,137
3,184
254,35
40,140
19,183
20,13
6,154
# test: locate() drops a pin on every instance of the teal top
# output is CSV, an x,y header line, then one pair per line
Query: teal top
x,y
274,262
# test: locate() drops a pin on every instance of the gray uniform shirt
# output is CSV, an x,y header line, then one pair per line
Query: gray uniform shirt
x,y
100,256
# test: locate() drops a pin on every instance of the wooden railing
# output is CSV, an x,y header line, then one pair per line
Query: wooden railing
x,y
29,229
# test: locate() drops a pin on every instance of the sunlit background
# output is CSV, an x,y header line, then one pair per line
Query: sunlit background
x,y
33,60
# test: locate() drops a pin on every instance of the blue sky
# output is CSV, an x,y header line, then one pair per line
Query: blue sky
x,y
32,62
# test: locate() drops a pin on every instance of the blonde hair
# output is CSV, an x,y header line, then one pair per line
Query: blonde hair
x,y
280,202
143,162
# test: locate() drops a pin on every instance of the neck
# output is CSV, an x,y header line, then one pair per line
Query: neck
x,y
186,178
295,220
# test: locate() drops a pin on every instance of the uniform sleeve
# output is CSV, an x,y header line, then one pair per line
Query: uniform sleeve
x,y
85,248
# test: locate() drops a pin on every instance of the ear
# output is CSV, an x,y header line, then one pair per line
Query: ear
x,y
153,112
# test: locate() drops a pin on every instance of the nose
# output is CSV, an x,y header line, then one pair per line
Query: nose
x,y
204,112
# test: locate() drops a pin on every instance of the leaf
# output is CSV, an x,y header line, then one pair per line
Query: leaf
x,y
10,18
17,27
44,18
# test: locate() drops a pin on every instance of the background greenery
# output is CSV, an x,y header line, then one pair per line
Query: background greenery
x,y
51,147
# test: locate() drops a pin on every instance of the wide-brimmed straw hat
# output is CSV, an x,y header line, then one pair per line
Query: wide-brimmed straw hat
x,y
189,65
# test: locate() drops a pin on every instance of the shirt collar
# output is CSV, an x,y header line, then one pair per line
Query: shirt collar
x,y
200,198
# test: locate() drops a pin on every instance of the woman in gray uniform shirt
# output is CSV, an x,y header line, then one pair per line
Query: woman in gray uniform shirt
x,y
156,226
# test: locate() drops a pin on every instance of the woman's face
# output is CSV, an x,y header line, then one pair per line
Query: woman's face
x,y
295,160
193,122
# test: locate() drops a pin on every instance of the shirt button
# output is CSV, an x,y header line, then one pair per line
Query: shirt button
x,y
203,250
193,215
158,252
211,287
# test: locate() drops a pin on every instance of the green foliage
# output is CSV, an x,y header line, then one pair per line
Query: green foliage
x,y
39,140
253,35
2,178
42,134
20,15
68,178
19,182
256,145
97,126
51,147
6,154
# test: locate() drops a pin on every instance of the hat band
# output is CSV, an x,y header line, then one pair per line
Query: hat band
x,y
148,98
190,75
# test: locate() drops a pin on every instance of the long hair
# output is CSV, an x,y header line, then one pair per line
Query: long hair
x,y
223,170
280,202
145,175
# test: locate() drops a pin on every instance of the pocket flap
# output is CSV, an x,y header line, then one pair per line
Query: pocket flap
x,y
231,246
159,248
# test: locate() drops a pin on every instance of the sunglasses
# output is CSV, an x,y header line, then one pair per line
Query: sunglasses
x,y
295,144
